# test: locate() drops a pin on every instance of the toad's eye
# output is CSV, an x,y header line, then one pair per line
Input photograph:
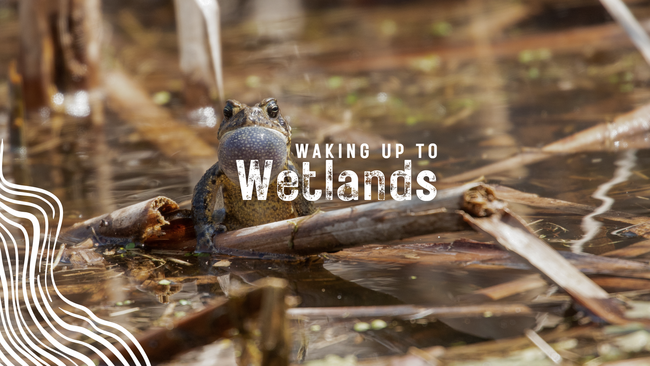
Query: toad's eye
x,y
272,109
227,110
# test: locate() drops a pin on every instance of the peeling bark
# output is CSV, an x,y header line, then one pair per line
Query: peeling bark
x,y
137,223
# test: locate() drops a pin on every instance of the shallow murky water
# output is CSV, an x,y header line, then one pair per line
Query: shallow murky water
x,y
461,76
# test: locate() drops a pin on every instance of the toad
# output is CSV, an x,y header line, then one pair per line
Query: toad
x,y
246,133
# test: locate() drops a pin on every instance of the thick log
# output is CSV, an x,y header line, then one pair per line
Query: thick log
x,y
350,227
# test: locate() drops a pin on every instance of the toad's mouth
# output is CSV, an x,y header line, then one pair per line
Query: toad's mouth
x,y
252,143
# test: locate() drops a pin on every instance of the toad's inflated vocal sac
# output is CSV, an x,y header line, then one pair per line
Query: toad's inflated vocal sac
x,y
246,133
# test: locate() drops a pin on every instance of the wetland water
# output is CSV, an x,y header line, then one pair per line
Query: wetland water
x,y
481,79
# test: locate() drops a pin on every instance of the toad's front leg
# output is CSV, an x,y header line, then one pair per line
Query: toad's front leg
x,y
207,220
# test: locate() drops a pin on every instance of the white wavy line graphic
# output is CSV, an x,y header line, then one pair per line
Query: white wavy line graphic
x,y
22,289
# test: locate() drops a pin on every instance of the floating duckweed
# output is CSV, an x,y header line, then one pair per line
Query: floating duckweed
x,y
179,314
361,327
358,83
533,73
315,109
613,78
426,64
351,99
411,120
335,82
128,302
628,76
526,56
388,28
462,103
164,282
315,328
130,246
487,314
627,87
544,54
441,29
119,303
253,81
378,324
5,13
184,302
162,97
414,277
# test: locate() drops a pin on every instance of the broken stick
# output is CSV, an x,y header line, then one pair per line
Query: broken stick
x,y
511,232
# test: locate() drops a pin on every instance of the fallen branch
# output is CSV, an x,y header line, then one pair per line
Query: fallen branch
x,y
513,234
350,227
411,312
133,223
